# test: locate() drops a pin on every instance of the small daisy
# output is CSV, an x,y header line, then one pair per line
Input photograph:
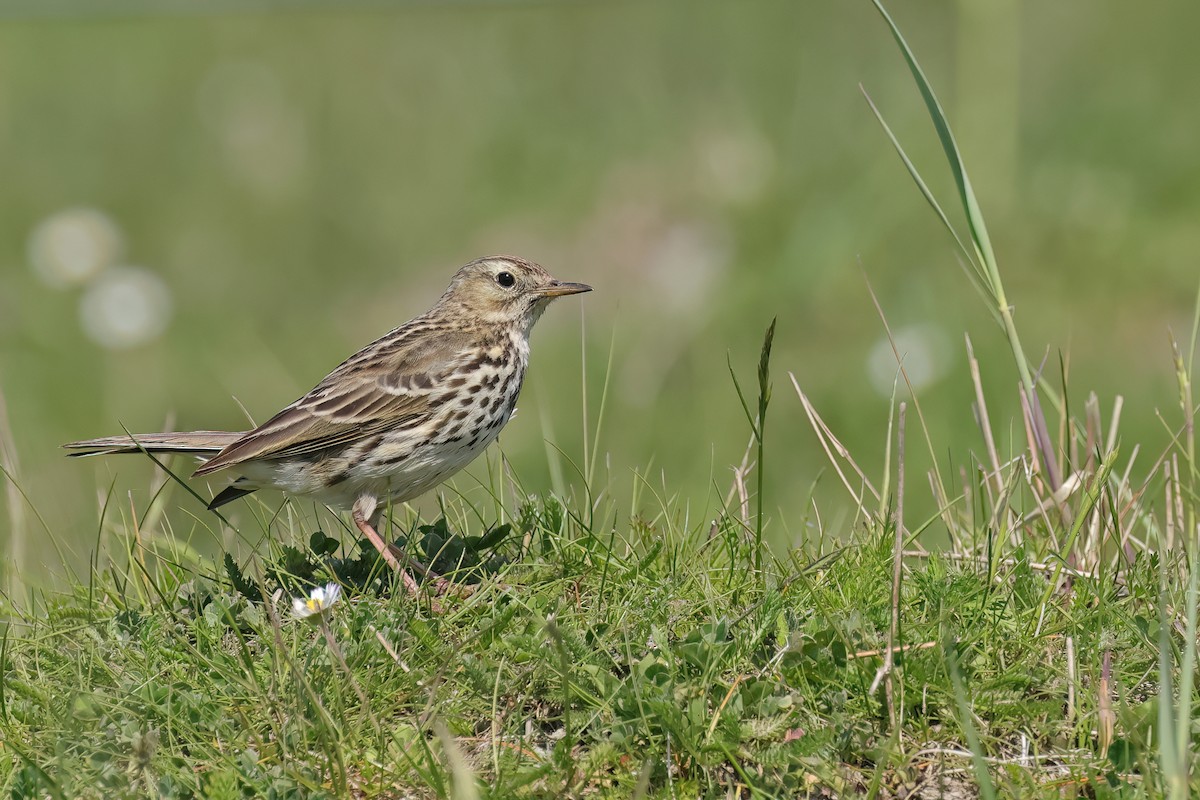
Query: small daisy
x,y
319,601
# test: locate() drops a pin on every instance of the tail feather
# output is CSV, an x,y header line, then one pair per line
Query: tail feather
x,y
229,494
199,443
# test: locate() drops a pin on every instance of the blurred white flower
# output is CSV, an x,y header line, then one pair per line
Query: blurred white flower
x,y
72,246
314,607
923,351
125,307
685,262
682,265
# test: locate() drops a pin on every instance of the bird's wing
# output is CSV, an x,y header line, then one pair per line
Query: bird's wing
x,y
388,384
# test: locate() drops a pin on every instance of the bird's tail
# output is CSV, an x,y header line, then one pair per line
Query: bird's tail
x,y
198,443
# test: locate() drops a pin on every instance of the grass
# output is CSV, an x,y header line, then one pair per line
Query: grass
x,y
637,662
1048,651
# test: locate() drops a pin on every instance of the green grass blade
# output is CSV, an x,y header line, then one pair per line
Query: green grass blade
x,y
979,234
1183,710
969,264
978,760
975,222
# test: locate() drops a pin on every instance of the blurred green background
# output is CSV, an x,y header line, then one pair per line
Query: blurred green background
x,y
291,183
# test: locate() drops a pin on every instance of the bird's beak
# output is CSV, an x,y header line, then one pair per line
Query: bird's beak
x,y
560,288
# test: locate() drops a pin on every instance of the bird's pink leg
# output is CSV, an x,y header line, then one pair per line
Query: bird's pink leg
x,y
363,512
364,508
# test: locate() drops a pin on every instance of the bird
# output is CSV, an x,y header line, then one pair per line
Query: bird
x,y
395,419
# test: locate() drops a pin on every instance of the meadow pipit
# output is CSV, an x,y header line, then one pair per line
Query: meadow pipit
x,y
396,418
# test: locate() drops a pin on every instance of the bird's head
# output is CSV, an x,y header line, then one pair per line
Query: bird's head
x,y
505,290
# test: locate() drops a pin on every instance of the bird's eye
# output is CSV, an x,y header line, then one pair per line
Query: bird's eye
x,y
505,279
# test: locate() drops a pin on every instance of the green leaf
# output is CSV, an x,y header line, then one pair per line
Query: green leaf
x,y
321,544
490,539
244,587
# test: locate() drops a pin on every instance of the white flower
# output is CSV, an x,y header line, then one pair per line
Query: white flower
x,y
314,607
125,307
72,246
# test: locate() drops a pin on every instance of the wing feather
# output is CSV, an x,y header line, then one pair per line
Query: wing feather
x,y
388,384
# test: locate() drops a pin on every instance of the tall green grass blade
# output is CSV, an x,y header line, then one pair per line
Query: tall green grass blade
x,y
1185,370
737,387
1178,779
969,265
764,400
975,221
186,486
885,486
1195,331
1167,752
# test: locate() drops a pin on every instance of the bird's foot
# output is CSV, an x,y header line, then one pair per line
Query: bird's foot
x,y
396,558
